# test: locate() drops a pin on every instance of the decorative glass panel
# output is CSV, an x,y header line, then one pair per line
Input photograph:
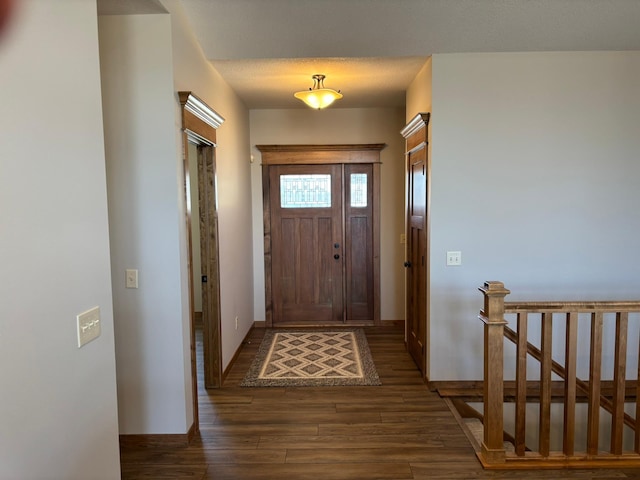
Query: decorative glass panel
x,y
305,191
358,189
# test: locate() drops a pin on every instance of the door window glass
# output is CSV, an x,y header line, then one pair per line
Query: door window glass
x,y
305,191
358,189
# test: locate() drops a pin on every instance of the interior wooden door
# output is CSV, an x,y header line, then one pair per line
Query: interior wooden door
x,y
210,266
307,238
417,253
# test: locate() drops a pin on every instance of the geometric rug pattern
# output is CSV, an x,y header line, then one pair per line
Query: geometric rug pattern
x,y
312,358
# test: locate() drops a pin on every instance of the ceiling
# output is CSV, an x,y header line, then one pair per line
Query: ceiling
x,y
372,49
364,82
129,7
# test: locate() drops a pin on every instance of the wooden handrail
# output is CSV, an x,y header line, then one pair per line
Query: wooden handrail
x,y
496,330
573,306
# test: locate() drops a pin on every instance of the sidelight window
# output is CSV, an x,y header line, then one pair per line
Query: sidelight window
x,y
358,190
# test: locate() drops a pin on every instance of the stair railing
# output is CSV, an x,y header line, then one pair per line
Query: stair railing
x,y
493,454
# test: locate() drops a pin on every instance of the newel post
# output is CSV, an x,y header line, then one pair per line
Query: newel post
x,y
493,318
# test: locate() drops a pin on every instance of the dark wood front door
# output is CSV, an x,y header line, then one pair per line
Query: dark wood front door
x,y
307,244
322,243
321,234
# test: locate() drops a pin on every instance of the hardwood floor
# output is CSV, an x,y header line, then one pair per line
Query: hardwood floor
x,y
399,430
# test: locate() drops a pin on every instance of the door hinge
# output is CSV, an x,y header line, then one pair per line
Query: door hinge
x,y
204,279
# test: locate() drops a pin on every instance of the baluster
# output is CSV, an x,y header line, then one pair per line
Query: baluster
x,y
493,317
619,382
571,346
545,384
595,368
521,384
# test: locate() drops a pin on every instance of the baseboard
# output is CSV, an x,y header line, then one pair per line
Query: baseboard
x,y
163,440
383,323
392,323
457,388
472,390
235,355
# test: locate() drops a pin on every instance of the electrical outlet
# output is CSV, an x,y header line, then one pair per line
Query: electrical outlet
x,y
88,326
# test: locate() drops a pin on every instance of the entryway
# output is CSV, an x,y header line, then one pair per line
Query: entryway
x,y
321,221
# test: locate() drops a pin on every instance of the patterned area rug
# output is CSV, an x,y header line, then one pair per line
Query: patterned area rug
x,y
306,358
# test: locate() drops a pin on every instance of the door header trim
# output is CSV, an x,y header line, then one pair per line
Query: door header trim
x,y
320,154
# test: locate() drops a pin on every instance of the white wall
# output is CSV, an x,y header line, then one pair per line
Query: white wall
x,y
534,178
192,72
58,410
418,95
145,221
340,126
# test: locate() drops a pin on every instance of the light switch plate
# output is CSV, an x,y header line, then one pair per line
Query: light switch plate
x,y
454,258
88,326
131,278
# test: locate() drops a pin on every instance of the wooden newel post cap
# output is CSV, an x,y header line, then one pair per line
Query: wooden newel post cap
x,y
494,293
494,288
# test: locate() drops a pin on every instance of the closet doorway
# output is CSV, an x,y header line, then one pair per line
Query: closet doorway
x,y
321,223
199,124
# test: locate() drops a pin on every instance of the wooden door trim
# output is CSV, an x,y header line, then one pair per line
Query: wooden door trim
x,y
376,242
415,125
199,124
310,155
320,154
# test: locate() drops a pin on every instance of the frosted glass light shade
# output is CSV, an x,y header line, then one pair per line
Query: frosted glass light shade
x,y
318,97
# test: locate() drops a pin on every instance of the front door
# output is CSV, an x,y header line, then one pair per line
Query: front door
x,y
307,244
321,234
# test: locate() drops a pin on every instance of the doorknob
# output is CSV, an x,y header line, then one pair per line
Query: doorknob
x,y
336,256
407,264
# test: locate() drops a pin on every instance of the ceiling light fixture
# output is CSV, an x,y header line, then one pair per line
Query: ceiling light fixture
x,y
318,96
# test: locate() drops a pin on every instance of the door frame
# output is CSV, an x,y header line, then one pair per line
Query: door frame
x,y
416,134
314,155
199,124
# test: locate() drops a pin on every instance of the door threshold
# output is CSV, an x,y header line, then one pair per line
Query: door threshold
x,y
324,324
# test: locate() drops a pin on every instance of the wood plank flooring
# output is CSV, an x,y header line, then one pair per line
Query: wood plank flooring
x,y
399,430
